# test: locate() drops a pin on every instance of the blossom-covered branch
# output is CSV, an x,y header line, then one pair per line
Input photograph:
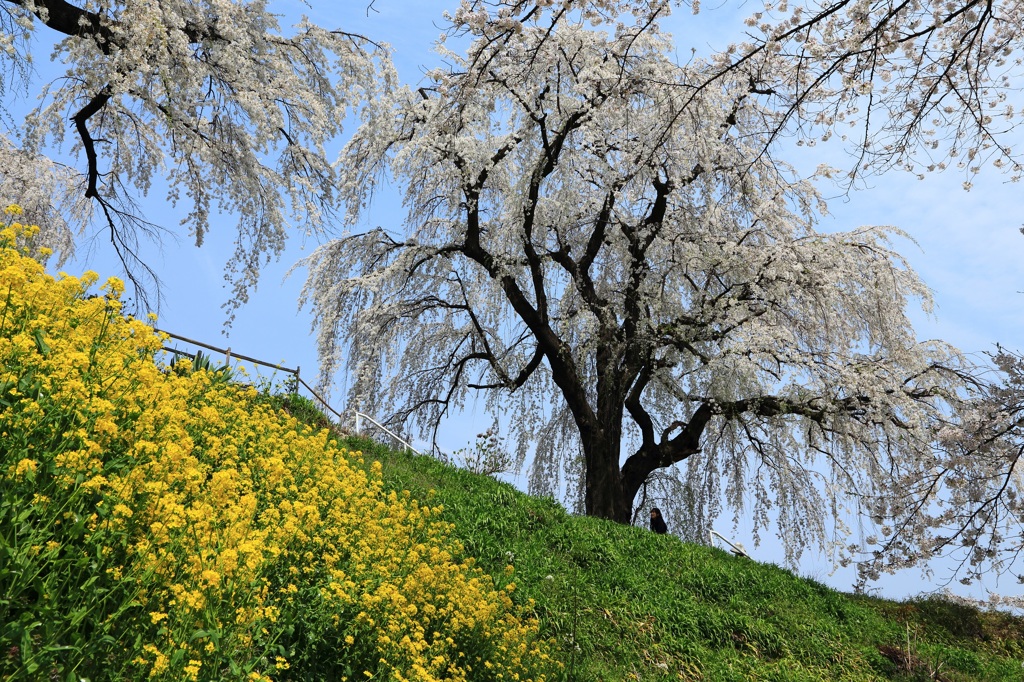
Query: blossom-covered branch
x,y
918,85
232,114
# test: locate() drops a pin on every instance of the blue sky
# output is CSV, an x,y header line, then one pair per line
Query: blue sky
x,y
968,246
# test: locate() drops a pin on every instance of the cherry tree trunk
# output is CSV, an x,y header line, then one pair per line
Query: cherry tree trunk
x,y
604,495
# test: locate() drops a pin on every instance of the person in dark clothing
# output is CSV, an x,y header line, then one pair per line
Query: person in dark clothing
x,y
658,523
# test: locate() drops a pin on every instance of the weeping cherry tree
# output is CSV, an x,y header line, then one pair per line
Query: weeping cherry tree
x,y
602,248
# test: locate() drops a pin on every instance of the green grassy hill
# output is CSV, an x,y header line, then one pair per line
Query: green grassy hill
x,y
168,524
623,603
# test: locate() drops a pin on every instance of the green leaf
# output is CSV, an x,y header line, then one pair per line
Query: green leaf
x,y
41,345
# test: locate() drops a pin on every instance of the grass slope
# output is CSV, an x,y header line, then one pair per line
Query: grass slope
x,y
625,604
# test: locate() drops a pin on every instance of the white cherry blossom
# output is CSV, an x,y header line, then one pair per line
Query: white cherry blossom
x,y
234,114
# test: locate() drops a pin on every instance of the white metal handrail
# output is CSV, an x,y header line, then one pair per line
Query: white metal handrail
x,y
360,416
736,548
229,355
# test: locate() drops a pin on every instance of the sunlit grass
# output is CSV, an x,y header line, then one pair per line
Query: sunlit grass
x,y
624,603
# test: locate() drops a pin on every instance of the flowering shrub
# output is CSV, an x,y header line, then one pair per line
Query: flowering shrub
x,y
168,526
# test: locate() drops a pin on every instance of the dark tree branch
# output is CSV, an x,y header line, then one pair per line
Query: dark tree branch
x,y
81,118
70,20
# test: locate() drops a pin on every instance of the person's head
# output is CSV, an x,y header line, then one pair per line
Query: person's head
x,y
655,513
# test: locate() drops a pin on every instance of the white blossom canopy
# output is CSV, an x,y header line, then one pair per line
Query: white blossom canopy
x,y
602,246
967,503
918,85
209,94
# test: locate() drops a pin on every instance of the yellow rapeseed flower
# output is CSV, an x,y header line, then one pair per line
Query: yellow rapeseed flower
x,y
25,466
227,513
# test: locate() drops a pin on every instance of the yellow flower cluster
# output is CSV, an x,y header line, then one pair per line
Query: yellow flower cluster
x,y
254,548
